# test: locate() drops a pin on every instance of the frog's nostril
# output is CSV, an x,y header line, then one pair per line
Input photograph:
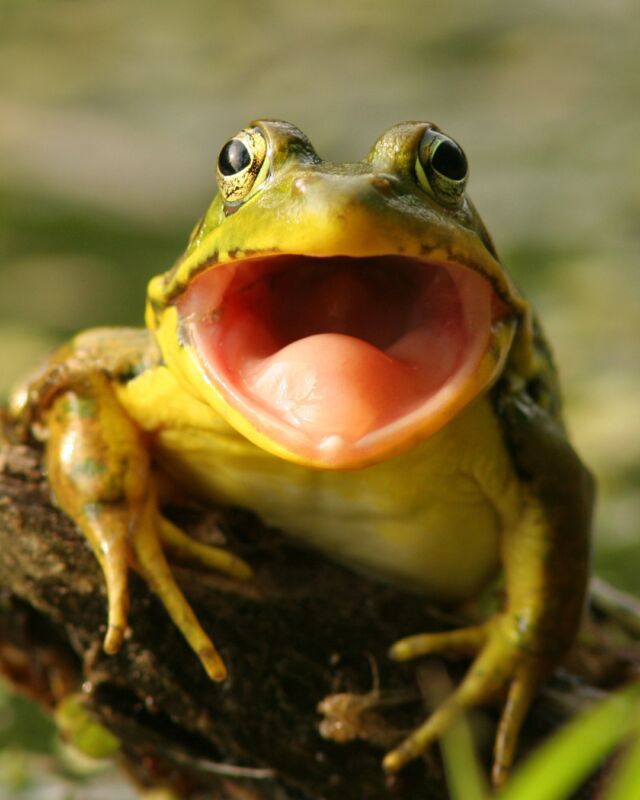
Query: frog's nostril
x,y
383,183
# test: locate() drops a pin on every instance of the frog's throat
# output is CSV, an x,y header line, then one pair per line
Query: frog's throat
x,y
341,361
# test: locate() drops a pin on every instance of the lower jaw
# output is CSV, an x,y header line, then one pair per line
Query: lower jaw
x,y
332,387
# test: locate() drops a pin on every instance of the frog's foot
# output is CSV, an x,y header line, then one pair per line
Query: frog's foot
x,y
501,662
188,551
149,560
122,539
152,532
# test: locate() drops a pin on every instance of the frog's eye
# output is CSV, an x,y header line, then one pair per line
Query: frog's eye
x,y
242,165
441,167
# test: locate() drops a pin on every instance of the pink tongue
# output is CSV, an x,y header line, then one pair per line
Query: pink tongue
x,y
330,384
328,353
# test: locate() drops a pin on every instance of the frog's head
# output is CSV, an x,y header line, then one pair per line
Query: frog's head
x,y
336,314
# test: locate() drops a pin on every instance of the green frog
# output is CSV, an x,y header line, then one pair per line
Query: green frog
x,y
340,350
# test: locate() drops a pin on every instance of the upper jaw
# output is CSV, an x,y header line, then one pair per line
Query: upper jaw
x,y
340,362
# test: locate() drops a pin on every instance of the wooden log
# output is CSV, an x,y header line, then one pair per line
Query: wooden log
x,y
305,629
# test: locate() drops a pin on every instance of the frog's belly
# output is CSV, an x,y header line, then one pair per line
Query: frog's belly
x,y
418,518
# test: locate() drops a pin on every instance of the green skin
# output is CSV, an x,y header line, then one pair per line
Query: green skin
x,y
96,402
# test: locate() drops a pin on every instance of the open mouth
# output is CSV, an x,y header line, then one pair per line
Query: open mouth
x,y
331,357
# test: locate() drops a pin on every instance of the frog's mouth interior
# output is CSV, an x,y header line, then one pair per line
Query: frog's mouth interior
x,y
333,356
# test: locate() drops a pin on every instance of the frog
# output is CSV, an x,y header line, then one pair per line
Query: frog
x,y
340,350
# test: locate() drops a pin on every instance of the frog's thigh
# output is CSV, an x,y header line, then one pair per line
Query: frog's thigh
x,y
98,468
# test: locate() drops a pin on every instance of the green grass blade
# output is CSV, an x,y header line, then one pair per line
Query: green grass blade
x,y
465,778
625,784
569,757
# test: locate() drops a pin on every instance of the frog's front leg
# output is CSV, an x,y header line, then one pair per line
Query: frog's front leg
x,y
546,561
99,469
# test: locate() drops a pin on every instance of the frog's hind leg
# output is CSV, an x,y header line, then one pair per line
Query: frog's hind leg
x,y
99,470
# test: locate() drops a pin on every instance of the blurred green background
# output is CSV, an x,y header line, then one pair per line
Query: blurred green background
x,y
112,115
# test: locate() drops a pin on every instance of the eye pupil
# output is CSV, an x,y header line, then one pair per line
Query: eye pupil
x,y
234,157
449,160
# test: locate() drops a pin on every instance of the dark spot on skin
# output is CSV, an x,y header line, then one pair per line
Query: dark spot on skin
x,y
236,254
65,407
88,468
487,240
78,406
156,306
200,227
93,510
131,372
250,253
85,407
425,250
179,287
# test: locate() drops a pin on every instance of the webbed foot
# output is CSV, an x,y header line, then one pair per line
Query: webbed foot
x,y
502,661
155,531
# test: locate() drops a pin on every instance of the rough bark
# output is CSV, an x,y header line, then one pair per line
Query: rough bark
x,y
305,630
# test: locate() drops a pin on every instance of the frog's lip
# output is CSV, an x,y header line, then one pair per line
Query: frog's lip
x,y
340,361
